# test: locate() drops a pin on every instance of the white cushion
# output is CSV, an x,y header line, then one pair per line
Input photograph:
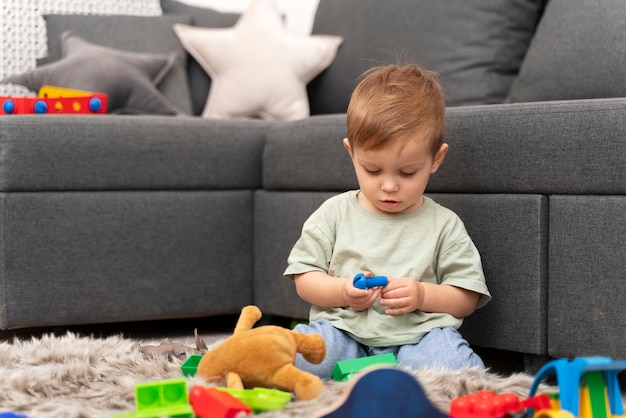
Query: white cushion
x,y
257,68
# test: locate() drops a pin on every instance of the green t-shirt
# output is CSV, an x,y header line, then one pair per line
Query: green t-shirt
x,y
431,244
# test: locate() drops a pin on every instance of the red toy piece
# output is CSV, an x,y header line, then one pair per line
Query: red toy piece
x,y
486,404
93,104
214,403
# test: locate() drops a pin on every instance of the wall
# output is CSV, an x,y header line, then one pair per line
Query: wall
x,y
23,29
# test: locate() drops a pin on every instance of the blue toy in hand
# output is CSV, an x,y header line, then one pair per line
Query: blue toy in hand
x,y
363,282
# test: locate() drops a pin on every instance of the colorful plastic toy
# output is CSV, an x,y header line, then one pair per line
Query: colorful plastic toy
x,y
588,388
51,101
54,92
345,369
261,399
190,366
213,403
363,282
165,398
486,404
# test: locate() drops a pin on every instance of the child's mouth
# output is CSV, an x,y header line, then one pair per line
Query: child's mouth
x,y
390,203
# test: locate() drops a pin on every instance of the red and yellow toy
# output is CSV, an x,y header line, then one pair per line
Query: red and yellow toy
x,y
57,100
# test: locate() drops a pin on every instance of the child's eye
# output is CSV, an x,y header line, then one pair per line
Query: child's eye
x,y
372,172
405,174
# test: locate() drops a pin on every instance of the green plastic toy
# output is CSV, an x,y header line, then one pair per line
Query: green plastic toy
x,y
261,399
190,366
345,369
165,398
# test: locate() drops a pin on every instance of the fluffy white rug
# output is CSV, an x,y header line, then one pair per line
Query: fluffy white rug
x,y
80,377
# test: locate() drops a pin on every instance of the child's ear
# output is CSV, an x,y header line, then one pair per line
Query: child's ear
x,y
347,146
439,157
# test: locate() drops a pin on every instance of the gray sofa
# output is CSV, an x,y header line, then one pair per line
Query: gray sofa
x,y
129,218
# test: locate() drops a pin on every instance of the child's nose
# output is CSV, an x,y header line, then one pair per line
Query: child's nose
x,y
389,185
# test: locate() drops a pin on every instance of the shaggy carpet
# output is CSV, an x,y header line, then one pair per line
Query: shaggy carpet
x,y
84,377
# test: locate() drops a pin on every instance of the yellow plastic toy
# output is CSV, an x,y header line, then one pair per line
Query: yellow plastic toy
x,y
54,92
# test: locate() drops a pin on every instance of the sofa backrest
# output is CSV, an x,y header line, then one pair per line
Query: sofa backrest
x,y
477,46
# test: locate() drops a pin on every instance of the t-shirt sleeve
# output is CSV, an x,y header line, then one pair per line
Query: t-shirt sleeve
x,y
312,251
460,265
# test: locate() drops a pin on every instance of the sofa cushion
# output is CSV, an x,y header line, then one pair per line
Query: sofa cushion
x,y
511,234
258,68
528,140
477,46
129,79
578,52
118,152
308,154
278,220
509,230
144,34
199,80
587,286
116,256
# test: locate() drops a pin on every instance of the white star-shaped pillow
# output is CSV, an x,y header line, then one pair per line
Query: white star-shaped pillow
x,y
257,68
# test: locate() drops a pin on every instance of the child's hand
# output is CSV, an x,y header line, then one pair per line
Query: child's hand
x,y
359,299
402,295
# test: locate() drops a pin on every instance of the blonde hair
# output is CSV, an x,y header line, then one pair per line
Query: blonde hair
x,y
393,102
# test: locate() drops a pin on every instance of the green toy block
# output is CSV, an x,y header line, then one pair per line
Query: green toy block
x,y
594,382
261,399
190,366
345,369
165,398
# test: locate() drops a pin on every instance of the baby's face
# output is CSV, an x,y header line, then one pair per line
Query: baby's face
x,y
393,179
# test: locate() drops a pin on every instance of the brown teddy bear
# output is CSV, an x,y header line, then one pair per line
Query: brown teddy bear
x,y
264,357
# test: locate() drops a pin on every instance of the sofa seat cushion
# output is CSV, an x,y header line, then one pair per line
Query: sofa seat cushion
x,y
511,234
106,256
587,285
510,231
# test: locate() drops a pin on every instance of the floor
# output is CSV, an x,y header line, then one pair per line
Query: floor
x,y
214,329
181,330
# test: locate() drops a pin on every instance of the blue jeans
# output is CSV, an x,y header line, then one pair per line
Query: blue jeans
x,y
441,348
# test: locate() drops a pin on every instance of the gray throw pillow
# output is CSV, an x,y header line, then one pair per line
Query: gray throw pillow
x,y
144,34
477,46
128,78
199,80
578,52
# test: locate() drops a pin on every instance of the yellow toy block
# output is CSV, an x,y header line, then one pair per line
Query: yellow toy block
x,y
54,92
